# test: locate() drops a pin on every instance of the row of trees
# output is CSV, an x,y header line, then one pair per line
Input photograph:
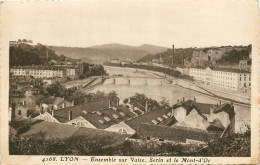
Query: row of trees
x,y
92,70
234,56
25,41
79,97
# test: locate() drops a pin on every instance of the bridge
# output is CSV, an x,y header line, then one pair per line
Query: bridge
x,y
135,80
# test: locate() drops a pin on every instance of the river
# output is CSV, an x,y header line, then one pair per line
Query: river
x,y
157,89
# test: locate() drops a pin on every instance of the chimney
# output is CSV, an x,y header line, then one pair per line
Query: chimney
x,y
146,106
231,103
117,102
129,100
70,115
178,101
219,102
109,104
41,111
52,112
194,99
183,99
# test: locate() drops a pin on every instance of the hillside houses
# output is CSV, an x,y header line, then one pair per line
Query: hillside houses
x,y
185,122
52,103
100,114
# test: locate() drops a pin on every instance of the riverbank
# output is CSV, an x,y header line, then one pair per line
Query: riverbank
x,y
188,84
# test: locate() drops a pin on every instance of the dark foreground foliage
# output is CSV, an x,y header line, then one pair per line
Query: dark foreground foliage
x,y
237,145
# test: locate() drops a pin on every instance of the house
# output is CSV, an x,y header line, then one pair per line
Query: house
x,y
115,61
159,125
210,117
53,103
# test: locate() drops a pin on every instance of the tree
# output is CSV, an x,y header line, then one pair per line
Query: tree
x,y
112,96
164,102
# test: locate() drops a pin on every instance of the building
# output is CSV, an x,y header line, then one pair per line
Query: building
x,y
70,72
43,71
80,68
115,61
228,78
37,71
13,43
206,56
245,64
183,70
209,117
49,103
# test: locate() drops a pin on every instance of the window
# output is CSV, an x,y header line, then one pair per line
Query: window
x,y
122,131
19,112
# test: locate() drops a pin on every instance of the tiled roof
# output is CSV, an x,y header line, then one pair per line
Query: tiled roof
x,y
108,117
149,117
140,106
176,133
52,130
229,70
63,114
202,108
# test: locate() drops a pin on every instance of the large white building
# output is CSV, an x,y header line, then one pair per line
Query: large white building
x,y
233,79
71,72
42,72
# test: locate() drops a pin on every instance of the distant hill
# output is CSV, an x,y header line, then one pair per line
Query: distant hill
x,y
232,55
25,54
102,53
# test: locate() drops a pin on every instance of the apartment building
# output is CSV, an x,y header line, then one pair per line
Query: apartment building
x,y
234,79
37,72
43,72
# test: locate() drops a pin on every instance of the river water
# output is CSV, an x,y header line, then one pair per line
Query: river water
x,y
157,89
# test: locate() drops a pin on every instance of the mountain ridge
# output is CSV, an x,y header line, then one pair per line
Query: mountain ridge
x,y
104,52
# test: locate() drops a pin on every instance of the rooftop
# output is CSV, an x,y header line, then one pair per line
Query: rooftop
x,y
174,133
151,117
105,118
62,115
233,70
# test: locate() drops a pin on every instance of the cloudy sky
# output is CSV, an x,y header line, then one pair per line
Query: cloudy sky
x,y
82,24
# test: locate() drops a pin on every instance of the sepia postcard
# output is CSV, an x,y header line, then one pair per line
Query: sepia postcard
x,y
129,82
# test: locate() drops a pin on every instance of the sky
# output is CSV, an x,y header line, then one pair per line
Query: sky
x,y
162,23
